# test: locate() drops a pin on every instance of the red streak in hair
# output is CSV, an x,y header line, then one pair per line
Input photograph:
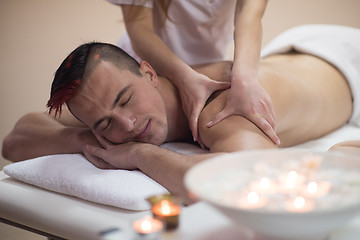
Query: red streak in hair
x,y
62,95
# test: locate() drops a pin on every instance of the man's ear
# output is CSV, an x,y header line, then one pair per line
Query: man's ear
x,y
148,72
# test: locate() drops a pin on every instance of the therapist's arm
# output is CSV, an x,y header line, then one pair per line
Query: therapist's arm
x,y
194,88
39,134
255,102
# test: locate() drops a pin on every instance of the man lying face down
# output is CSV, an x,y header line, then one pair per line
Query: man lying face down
x,y
122,111
123,102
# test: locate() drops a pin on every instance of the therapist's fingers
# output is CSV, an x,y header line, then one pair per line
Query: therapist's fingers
x,y
269,115
265,120
199,106
194,121
95,156
257,119
220,86
266,127
219,117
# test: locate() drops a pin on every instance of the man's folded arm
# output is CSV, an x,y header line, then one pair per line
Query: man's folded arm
x,y
38,134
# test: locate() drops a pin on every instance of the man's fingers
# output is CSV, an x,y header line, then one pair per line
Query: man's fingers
x,y
94,159
103,142
96,151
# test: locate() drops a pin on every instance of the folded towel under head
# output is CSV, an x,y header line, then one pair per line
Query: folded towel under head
x,y
73,175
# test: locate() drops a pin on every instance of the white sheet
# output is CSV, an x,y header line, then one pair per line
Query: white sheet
x,y
348,132
71,174
338,45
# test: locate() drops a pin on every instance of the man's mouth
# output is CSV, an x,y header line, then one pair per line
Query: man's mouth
x,y
145,131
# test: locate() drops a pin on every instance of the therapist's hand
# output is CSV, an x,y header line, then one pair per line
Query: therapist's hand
x,y
253,103
194,93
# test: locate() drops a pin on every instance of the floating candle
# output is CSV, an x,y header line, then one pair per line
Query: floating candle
x,y
316,189
299,204
252,201
291,181
264,185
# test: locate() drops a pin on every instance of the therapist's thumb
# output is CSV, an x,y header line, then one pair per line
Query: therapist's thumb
x,y
221,86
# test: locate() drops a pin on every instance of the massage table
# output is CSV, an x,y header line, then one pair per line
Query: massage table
x,y
60,216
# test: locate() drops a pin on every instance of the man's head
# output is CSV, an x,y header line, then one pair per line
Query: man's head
x,y
80,64
111,93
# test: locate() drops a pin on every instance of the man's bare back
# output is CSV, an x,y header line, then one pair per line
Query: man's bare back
x,y
306,92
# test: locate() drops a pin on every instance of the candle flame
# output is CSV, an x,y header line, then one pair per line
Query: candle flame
x,y
312,187
146,225
264,183
291,179
292,175
299,202
165,207
290,183
253,197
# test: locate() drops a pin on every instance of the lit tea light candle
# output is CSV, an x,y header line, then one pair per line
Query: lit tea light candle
x,y
299,204
316,189
166,209
148,228
264,185
252,201
292,181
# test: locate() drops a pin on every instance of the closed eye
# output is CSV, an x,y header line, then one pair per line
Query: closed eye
x,y
103,124
107,125
126,102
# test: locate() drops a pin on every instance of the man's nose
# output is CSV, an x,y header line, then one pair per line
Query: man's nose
x,y
126,120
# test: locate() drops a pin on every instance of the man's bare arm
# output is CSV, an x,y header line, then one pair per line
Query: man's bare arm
x,y
164,166
167,167
39,134
347,146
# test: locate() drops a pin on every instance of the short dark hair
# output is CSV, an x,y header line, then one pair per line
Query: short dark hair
x,y
78,66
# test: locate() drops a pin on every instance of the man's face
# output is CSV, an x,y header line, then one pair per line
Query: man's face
x,y
120,106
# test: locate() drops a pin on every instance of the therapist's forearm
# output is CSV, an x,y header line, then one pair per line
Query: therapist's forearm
x,y
247,39
153,50
38,134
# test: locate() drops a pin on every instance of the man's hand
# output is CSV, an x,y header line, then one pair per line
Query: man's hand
x,y
194,94
111,156
252,103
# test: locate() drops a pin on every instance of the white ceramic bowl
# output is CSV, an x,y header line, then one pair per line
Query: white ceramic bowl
x,y
219,179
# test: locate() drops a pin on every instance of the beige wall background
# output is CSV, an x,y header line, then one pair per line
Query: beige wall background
x,y
36,35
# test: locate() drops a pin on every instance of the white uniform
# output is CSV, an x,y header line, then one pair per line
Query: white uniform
x,y
199,30
338,45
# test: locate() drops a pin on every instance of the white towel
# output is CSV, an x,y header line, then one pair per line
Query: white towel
x,y
73,175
